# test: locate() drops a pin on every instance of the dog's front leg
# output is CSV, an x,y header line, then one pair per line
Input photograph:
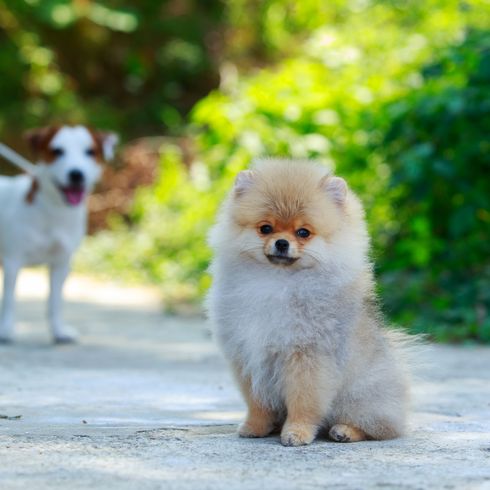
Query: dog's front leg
x,y
57,275
310,385
7,317
260,420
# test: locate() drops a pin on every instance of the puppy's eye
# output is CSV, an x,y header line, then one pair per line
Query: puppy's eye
x,y
303,233
57,152
90,152
266,229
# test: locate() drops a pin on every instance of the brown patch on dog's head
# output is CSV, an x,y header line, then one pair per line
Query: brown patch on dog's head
x,y
39,140
30,196
104,142
98,137
293,234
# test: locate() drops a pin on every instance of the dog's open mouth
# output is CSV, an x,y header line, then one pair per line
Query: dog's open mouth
x,y
282,259
73,194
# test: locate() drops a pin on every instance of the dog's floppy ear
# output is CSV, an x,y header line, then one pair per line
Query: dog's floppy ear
x,y
244,180
38,139
336,187
105,141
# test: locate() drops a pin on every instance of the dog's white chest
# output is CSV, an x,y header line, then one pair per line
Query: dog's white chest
x,y
35,234
47,244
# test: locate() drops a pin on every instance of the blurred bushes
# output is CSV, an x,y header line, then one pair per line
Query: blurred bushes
x,y
135,67
436,270
395,96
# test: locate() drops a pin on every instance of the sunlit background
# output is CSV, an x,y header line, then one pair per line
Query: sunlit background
x,y
395,95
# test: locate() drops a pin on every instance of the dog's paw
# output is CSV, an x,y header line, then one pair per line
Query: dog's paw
x,y
254,429
297,435
6,339
66,335
346,433
6,335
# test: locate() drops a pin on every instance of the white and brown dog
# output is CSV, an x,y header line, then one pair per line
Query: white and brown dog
x,y
43,217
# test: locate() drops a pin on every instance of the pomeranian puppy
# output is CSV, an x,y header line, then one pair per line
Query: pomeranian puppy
x,y
294,309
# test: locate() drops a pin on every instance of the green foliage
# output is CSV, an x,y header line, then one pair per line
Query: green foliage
x,y
167,218
135,67
438,145
371,89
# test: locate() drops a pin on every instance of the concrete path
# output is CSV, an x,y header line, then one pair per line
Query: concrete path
x,y
146,402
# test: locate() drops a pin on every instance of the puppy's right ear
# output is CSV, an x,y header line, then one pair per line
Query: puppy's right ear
x,y
38,139
244,180
336,188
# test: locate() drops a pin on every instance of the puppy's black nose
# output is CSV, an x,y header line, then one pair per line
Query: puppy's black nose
x,y
76,177
282,245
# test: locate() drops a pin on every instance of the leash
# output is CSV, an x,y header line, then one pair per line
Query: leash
x,y
17,160
33,170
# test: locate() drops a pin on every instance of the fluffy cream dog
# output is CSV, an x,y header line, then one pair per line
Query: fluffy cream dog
x,y
294,309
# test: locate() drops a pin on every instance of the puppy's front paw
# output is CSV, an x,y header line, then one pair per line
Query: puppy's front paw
x,y
255,428
66,335
346,433
297,435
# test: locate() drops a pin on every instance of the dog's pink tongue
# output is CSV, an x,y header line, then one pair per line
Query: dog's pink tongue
x,y
74,196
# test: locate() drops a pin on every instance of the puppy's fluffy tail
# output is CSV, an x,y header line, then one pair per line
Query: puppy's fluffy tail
x,y
412,352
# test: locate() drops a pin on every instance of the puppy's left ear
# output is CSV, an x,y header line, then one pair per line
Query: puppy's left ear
x,y
107,141
244,180
336,187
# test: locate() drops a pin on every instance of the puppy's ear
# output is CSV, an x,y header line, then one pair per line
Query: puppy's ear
x,y
106,141
336,187
244,180
38,139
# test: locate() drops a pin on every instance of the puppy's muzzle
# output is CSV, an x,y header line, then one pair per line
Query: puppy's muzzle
x,y
76,177
74,192
281,253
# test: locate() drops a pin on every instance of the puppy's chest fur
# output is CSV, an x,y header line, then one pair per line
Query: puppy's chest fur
x,y
264,316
